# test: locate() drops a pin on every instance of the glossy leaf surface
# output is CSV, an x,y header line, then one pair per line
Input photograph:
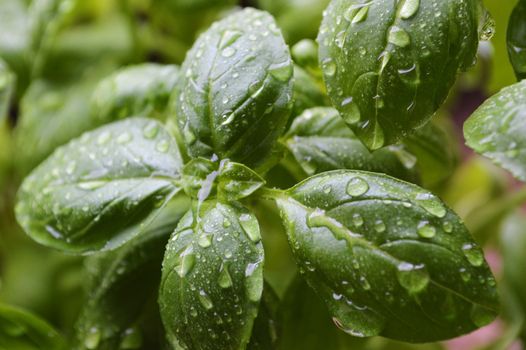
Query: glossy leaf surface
x,y
235,92
517,39
100,190
497,129
212,278
387,257
142,90
389,65
320,141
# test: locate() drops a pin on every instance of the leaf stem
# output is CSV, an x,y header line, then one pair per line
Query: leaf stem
x,y
270,193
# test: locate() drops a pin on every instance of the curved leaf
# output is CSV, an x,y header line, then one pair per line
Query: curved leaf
x,y
320,141
517,39
212,278
308,93
20,330
99,190
266,325
195,5
387,257
141,90
236,93
389,65
497,129
109,317
7,88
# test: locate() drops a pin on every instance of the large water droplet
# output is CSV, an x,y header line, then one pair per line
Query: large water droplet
x,y
350,111
426,230
431,204
399,37
186,262
254,281
124,138
473,254
104,137
409,8
92,339
204,240
414,278
224,280
162,146
329,67
379,226
250,225
282,71
132,339
91,185
357,220
447,226
482,316
151,130
357,187
228,52
356,13
205,300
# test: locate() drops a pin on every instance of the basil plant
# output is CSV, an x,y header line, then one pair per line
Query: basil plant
x,y
168,190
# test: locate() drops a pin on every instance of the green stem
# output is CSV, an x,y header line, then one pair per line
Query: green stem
x,y
270,193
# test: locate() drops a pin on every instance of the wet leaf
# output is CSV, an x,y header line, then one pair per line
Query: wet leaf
x,y
496,129
387,257
235,92
100,190
516,39
320,141
142,90
212,278
389,65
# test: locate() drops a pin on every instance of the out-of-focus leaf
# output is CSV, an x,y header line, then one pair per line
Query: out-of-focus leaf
x,y
517,39
305,55
101,190
320,141
14,38
141,90
21,330
387,257
388,66
121,283
7,87
212,278
196,5
235,92
299,19
308,92
497,129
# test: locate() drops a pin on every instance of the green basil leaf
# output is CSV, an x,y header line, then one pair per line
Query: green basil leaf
x,y
46,18
20,330
141,90
308,93
212,278
320,141
100,190
7,87
435,153
109,317
496,129
230,181
389,65
387,257
517,39
305,54
235,92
